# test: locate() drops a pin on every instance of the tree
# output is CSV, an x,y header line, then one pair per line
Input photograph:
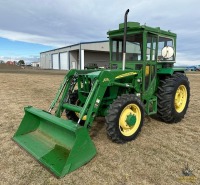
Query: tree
x,y
21,62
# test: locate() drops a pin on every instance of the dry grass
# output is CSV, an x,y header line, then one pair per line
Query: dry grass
x,y
157,156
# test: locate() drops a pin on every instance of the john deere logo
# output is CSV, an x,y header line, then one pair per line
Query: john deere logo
x,y
187,175
106,80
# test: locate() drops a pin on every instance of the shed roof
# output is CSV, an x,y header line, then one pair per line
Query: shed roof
x,y
74,45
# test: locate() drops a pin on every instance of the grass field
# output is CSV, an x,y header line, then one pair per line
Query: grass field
x,y
157,156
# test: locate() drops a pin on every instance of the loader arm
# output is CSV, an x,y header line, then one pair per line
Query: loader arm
x,y
92,103
64,86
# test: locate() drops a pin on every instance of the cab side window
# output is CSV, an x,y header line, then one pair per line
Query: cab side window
x,y
163,42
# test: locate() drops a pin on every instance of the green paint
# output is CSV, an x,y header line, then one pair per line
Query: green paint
x,y
58,144
131,120
165,71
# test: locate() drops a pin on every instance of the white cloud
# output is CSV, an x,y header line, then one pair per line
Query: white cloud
x,y
31,38
183,59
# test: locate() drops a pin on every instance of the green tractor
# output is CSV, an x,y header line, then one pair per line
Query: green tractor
x,y
141,81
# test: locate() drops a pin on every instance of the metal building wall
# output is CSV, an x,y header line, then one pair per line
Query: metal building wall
x,y
96,46
45,60
84,52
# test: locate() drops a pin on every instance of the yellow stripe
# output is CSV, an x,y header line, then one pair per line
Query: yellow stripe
x,y
126,74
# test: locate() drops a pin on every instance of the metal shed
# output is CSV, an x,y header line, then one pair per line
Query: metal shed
x,y
76,56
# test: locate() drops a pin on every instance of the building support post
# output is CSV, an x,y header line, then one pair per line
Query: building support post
x,y
82,59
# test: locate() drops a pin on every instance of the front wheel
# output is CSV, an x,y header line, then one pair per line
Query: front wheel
x,y
125,118
173,98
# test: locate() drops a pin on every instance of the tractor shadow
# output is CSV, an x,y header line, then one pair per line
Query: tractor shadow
x,y
98,125
153,117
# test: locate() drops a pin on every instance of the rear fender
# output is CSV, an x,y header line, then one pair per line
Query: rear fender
x,y
169,71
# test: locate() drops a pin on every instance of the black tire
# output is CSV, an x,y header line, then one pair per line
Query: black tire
x,y
172,105
114,119
71,115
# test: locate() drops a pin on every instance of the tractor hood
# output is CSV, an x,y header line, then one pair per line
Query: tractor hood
x,y
93,74
113,75
117,74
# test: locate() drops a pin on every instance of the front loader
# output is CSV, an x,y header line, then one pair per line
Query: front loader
x,y
141,81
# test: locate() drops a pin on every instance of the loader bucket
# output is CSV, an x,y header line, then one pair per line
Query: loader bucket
x,y
60,145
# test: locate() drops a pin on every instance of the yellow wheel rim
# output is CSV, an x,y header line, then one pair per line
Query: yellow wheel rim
x,y
125,129
78,115
180,98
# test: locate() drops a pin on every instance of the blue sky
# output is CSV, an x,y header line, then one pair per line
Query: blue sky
x,y
30,27
12,50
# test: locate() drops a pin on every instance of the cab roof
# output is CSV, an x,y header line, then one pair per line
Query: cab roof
x,y
136,27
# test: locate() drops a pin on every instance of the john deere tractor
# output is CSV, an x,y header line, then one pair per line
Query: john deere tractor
x,y
141,81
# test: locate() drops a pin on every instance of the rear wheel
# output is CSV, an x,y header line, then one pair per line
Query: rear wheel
x,y
173,98
125,118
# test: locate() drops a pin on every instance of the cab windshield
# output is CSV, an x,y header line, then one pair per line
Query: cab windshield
x,y
133,48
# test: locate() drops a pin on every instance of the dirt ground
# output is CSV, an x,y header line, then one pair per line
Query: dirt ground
x,y
157,156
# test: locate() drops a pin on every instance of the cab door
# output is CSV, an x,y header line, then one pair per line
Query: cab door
x,y
149,74
151,55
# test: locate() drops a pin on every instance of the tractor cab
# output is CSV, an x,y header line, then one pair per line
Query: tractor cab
x,y
143,45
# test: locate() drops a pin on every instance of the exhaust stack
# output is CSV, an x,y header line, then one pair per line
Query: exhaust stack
x,y
124,40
